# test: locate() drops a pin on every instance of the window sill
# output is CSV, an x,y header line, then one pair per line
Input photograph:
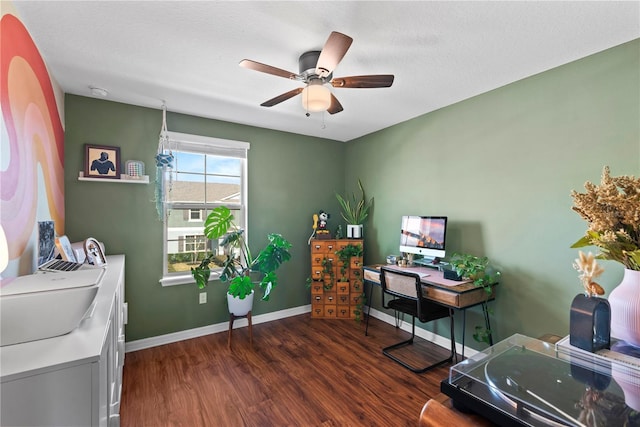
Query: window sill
x,y
184,279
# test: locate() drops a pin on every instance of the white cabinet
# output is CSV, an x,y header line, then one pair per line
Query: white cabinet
x,y
75,379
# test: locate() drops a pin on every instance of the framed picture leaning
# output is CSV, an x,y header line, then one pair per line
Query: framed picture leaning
x,y
101,161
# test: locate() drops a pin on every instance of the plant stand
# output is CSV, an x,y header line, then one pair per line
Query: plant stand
x,y
232,318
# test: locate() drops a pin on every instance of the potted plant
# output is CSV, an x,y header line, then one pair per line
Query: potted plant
x,y
345,254
611,212
239,262
354,212
478,270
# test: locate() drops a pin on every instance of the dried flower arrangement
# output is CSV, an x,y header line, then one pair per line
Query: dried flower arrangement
x,y
612,211
589,269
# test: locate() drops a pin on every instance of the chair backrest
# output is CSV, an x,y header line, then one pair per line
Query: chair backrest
x,y
400,283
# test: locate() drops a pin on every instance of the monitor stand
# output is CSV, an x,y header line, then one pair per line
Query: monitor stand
x,y
428,262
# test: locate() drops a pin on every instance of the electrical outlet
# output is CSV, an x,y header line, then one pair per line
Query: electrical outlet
x,y
203,297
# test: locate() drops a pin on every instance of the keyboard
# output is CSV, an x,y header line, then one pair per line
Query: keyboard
x,y
60,265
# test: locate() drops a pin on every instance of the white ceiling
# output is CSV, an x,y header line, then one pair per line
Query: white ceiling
x,y
187,52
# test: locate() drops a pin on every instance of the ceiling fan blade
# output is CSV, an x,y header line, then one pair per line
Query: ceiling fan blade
x,y
332,53
264,68
335,106
278,99
372,81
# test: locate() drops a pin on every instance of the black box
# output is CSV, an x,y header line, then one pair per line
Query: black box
x,y
451,275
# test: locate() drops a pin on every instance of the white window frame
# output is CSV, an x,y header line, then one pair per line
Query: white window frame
x,y
204,145
191,219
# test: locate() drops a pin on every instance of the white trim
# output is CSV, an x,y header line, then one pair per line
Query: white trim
x,y
184,279
208,144
276,315
212,329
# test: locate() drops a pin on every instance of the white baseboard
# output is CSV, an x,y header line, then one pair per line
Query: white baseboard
x,y
213,329
276,315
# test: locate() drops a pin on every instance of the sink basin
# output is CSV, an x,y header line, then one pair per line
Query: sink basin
x,y
45,305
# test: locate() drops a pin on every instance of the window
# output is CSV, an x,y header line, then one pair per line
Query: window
x,y
195,243
206,173
195,215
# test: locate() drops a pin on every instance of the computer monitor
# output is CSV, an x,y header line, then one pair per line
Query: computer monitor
x,y
424,235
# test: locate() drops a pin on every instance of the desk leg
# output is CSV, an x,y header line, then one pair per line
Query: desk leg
x,y
487,324
368,304
464,329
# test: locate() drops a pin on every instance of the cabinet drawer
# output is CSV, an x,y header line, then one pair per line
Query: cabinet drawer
x,y
355,274
316,258
323,246
356,286
316,273
342,287
330,310
330,297
343,299
317,287
317,310
356,262
346,242
317,298
355,299
343,311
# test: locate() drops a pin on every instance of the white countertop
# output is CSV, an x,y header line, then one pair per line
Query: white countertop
x,y
82,345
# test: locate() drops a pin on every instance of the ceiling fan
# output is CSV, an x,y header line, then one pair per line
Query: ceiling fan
x,y
316,70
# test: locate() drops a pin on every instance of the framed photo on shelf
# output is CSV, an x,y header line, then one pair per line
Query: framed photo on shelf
x,y
101,161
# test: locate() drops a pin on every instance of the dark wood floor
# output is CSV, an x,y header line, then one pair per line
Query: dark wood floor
x,y
300,372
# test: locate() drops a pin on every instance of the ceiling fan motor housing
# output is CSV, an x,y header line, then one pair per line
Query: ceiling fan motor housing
x,y
307,66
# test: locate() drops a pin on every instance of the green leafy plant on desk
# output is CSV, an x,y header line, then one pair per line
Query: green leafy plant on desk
x,y
482,274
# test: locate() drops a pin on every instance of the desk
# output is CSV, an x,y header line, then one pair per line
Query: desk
x,y
450,293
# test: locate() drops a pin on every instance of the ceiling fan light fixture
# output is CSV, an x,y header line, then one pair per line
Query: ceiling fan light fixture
x,y
316,97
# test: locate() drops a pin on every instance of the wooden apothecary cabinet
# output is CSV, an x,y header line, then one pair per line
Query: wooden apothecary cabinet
x,y
337,290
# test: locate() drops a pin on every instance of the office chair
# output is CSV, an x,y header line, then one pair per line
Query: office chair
x,y
405,289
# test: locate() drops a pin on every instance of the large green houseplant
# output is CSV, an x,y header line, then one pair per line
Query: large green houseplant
x,y
239,263
355,211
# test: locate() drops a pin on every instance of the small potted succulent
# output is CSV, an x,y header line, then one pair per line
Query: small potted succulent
x,y
239,264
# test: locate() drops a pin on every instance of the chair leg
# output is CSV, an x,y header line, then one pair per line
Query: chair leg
x,y
418,370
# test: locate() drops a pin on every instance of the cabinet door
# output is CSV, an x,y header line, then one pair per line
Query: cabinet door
x,y
59,398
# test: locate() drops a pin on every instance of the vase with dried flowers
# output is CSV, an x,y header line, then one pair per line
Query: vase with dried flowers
x,y
612,212
590,317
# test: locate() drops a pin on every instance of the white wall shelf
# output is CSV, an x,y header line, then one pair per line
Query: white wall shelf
x,y
124,179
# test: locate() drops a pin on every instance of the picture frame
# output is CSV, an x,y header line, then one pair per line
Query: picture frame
x,y
64,247
94,253
102,161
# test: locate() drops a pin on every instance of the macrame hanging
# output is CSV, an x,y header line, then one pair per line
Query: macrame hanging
x,y
164,164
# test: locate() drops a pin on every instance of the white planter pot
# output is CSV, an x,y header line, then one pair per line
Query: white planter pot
x,y
354,231
240,307
625,308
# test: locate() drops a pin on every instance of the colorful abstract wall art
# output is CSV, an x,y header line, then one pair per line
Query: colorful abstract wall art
x,y
31,147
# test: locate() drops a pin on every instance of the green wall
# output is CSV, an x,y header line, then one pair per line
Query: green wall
x,y
291,177
502,166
